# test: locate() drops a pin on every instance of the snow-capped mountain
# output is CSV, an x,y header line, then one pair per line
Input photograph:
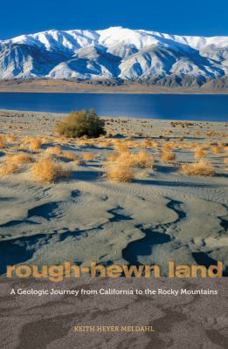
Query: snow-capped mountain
x,y
116,54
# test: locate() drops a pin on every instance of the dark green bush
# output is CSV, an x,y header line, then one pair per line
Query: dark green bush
x,y
81,123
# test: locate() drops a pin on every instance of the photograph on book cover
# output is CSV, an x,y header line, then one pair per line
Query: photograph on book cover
x,y
114,174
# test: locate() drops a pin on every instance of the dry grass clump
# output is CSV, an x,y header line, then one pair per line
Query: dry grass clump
x,y
121,166
193,145
126,158
153,144
31,143
168,156
210,133
12,162
7,169
56,150
148,143
2,141
200,153
35,144
142,160
70,155
11,138
46,171
112,156
167,147
131,144
217,149
19,159
24,141
88,156
119,172
84,142
104,143
201,168
121,146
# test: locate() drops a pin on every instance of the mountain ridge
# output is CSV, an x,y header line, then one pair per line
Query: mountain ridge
x,y
118,54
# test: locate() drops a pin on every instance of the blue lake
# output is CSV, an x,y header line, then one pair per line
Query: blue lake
x,y
162,106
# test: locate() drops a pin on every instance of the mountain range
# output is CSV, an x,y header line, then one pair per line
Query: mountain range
x,y
117,55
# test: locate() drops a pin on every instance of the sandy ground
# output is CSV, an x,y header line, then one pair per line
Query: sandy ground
x,y
161,215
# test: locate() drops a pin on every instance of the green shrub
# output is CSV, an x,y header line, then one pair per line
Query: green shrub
x,y
81,123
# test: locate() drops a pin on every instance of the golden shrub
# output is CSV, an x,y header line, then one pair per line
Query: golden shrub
x,y
7,169
19,159
142,159
168,156
200,153
56,150
88,156
217,149
46,170
119,172
70,155
201,168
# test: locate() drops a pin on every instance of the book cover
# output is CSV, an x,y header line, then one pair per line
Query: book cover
x,y
113,175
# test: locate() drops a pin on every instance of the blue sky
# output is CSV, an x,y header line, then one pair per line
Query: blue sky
x,y
189,17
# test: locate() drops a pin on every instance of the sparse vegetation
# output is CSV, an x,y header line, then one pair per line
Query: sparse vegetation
x,y
217,149
121,146
88,156
11,138
19,159
200,153
2,141
119,172
126,158
56,150
81,123
112,156
31,143
142,160
201,168
120,167
7,169
46,170
168,156
35,144
123,156
70,155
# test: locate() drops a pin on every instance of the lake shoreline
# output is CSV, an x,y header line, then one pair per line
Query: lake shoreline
x,y
62,86
59,115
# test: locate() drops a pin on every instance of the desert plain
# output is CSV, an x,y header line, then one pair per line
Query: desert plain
x,y
148,192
